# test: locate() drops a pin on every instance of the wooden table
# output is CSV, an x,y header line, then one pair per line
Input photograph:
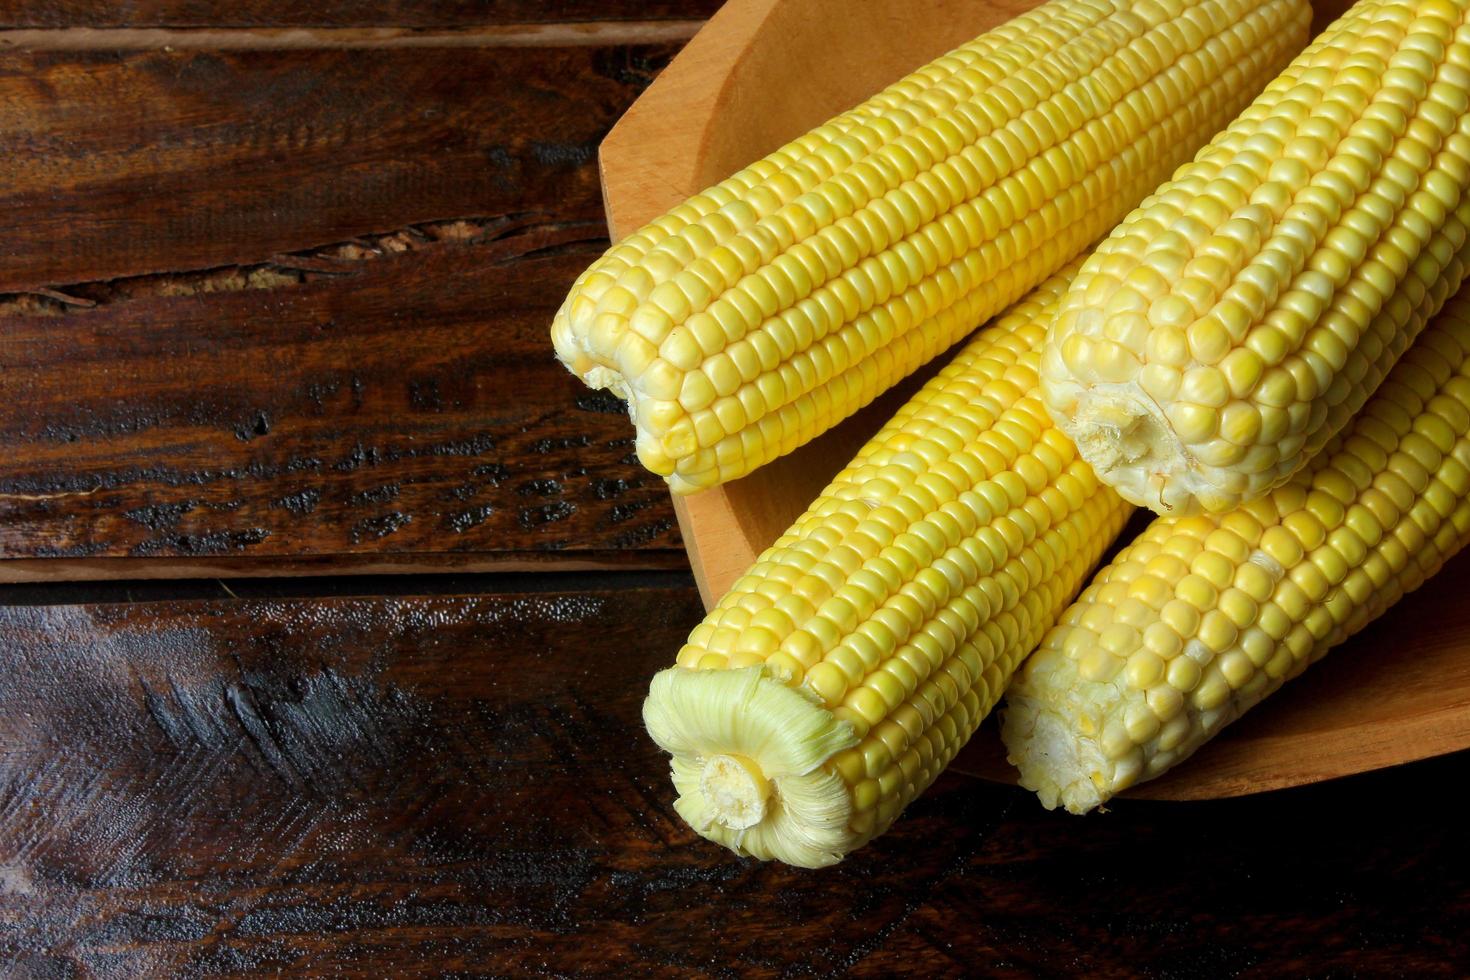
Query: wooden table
x,y
333,598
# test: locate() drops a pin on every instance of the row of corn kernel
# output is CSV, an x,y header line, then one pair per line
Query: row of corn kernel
x,y
905,597
1202,617
1240,299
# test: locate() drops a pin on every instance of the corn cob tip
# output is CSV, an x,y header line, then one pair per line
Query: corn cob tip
x,y
1130,446
736,789
749,756
1054,763
573,355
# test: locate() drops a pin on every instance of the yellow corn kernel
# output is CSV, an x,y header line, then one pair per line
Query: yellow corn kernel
x,y
769,307
1284,269
869,641
1333,552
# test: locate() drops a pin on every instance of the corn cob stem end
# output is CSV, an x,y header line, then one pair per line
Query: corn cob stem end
x,y
736,791
750,760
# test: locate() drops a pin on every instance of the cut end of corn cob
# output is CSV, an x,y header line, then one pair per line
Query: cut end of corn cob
x,y
1128,439
748,755
1235,321
770,307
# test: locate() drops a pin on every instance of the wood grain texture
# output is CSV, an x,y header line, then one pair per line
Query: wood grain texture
x,y
338,13
459,784
395,396
119,40
159,161
40,571
373,401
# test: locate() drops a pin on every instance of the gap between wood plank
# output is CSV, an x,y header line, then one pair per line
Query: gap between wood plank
x,y
41,570
338,586
591,34
497,238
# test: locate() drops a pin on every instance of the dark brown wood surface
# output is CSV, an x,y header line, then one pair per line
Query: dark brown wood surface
x,y
413,785
292,304
275,283
125,164
400,400
338,13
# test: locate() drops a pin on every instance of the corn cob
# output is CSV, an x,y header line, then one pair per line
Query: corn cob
x,y
1230,325
768,308
1203,616
845,669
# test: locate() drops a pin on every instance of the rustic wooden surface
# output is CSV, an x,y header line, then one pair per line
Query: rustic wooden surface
x,y
412,785
281,305
336,13
271,315
400,400
179,160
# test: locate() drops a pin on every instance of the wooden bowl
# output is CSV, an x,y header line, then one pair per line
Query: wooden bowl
x,y
762,72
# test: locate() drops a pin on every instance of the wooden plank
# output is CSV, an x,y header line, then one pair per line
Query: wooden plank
x,y
394,397
416,786
46,571
122,164
339,13
123,39
193,379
